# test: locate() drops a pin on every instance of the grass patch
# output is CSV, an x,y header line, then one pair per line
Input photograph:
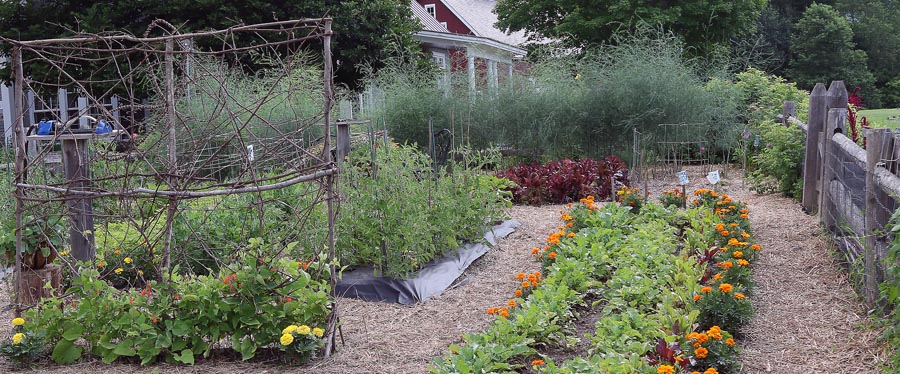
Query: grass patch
x,y
878,118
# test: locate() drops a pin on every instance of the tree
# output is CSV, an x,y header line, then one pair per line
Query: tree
x,y
703,24
367,31
876,30
824,49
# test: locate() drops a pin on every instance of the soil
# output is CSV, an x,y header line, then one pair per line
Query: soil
x,y
808,318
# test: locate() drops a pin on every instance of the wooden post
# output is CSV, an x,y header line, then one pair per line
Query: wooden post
x,y
836,97
876,140
812,162
169,67
343,141
19,124
81,211
787,111
837,118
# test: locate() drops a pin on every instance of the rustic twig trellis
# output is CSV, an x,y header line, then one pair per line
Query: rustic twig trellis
x,y
203,115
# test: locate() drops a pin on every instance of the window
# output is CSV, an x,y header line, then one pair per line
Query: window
x,y
430,8
439,59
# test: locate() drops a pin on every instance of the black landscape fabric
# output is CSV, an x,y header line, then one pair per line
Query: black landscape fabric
x,y
434,278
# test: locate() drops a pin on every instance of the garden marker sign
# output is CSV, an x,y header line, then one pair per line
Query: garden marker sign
x,y
713,177
682,177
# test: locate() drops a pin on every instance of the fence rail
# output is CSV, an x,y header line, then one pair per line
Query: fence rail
x,y
853,189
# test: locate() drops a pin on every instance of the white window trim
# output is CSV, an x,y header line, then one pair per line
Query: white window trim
x,y
431,9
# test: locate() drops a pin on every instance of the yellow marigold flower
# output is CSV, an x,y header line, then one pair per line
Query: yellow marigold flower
x,y
701,352
63,253
743,262
733,242
725,287
318,332
304,330
665,369
729,342
119,270
566,217
127,260
745,235
287,339
289,330
738,254
739,296
17,338
141,273
18,321
706,289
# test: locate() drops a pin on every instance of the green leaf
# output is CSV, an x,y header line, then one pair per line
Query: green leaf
x,y
186,357
180,328
72,331
66,352
125,348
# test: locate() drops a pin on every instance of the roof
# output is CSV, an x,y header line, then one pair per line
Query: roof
x,y
426,20
479,16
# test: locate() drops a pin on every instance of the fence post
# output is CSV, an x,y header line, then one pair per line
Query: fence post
x,y
812,163
787,111
836,98
876,140
837,117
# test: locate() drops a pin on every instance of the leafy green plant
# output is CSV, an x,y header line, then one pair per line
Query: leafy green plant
x,y
398,212
23,347
249,306
779,162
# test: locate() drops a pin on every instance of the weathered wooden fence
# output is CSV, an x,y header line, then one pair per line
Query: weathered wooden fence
x,y
854,190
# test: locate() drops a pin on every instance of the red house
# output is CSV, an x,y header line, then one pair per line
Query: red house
x,y
460,35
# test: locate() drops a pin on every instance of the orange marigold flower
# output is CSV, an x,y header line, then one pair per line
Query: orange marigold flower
x,y
744,216
504,313
739,296
743,262
733,225
702,338
726,264
718,276
535,251
755,247
526,284
537,362
729,342
706,289
532,277
534,284
701,352
511,303
552,255
569,205
537,274
665,369
745,235
697,297
733,242
738,254
492,310
518,293
725,287
715,332
720,226
571,235
724,233
711,371
520,276
570,224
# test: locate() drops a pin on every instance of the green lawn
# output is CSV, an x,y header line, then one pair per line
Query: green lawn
x,y
879,117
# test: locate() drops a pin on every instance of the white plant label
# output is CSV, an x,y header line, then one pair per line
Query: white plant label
x,y
713,177
682,177
250,155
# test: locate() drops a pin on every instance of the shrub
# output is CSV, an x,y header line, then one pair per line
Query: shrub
x,y
565,181
779,163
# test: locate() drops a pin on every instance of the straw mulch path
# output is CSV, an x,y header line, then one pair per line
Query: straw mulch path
x,y
808,318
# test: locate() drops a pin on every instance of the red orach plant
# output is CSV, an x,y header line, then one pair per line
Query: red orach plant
x,y
565,180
